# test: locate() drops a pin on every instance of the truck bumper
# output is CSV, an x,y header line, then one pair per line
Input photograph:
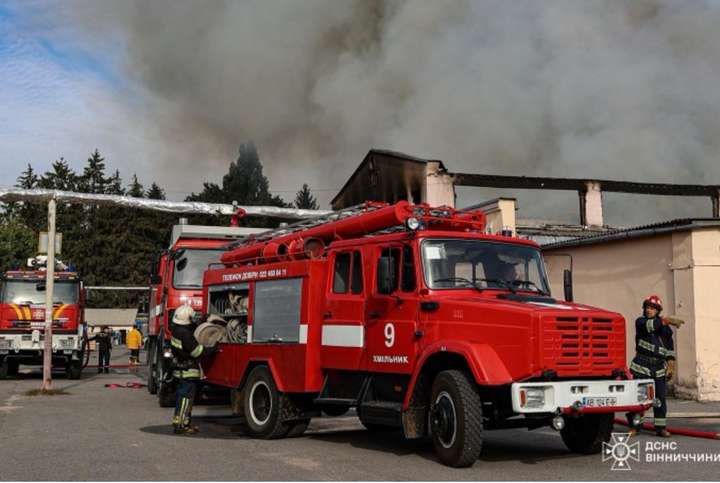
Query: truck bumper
x,y
33,343
570,397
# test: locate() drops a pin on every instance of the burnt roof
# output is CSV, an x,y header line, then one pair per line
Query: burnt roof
x,y
680,224
381,153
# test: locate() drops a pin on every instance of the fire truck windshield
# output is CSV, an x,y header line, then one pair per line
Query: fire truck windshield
x,y
458,263
33,292
191,265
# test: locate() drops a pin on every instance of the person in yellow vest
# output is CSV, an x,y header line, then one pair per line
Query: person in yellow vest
x,y
134,342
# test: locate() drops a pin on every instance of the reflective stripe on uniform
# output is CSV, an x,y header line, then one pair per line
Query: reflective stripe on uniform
x,y
660,422
640,369
666,352
187,373
647,345
177,343
649,325
660,373
197,351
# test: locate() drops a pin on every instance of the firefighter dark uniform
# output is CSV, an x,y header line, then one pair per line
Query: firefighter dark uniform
x,y
186,353
654,348
103,342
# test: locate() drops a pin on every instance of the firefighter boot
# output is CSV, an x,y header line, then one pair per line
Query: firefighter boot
x,y
181,420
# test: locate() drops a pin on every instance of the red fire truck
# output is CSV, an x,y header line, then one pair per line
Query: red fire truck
x,y
176,279
22,319
420,320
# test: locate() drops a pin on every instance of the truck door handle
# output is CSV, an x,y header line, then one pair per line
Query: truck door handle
x,y
374,314
327,315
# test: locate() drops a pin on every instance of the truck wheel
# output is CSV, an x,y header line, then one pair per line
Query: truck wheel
x,y
298,428
335,411
456,419
261,406
73,370
13,367
4,369
166,395
587,433
152,367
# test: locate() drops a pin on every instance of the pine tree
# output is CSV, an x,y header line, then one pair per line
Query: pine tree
x,y
93,178
27,179
305,200
135,189
62,177
155,192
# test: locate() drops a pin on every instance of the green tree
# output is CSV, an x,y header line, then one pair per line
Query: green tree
x,y
17,244
93,179
135,189
304,199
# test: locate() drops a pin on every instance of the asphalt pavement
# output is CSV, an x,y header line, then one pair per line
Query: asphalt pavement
x,y
104,433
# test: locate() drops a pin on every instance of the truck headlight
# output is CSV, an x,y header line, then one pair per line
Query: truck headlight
x,y
646,392
532,397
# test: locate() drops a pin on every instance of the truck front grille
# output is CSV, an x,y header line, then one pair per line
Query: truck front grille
x,y
583,346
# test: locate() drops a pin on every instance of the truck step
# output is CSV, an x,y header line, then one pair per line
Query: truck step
x,y
387,413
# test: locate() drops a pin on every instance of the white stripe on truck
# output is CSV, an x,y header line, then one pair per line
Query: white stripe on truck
x,y
343,335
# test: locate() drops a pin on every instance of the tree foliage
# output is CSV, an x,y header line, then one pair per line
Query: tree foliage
x,y
112,245
305,200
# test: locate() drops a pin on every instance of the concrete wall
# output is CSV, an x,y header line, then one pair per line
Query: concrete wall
x,y
683,268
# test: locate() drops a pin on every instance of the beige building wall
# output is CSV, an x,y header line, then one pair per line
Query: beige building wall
x,y
705,323
683,268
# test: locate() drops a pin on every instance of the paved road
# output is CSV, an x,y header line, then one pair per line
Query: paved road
x,y
99,433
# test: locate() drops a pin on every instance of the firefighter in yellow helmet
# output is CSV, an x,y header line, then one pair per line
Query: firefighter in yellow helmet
x,y
186,355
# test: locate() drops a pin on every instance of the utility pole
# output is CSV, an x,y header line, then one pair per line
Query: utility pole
x,y
49,288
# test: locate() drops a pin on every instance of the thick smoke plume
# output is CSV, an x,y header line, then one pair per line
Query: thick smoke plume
x,y
606,89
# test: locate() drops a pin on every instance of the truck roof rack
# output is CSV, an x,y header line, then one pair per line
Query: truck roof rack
x,y
308,238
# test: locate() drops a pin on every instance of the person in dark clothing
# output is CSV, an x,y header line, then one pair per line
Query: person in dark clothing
x,y
186,354
103,341
655,357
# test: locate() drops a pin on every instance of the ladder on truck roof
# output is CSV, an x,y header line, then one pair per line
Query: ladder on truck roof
x,y
268,235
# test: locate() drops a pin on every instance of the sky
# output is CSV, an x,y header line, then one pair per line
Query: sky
x,y
622,89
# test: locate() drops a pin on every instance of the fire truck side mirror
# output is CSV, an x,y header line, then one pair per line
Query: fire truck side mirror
x,y
568,285
386,276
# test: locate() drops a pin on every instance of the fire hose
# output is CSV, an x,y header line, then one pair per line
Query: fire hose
x,y
693,433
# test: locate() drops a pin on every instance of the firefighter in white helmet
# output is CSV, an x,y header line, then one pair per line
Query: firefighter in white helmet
x,y
186,355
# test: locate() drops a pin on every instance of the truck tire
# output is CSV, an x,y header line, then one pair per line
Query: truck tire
x,y
456,419
587,433
4,369
166,395
152,368
261,405
13,367
73,370
298,428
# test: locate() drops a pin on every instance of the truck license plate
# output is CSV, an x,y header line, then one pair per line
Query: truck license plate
x,y
599,402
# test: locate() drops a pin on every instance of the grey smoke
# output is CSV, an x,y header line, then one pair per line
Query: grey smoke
x,y
606,89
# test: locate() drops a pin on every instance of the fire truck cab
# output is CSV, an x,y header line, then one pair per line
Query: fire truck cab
x,y
22,319
419,320
176,279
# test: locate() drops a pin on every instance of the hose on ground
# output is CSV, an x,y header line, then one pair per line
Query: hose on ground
x,y
694,433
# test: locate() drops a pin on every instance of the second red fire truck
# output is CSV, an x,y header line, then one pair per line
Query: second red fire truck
x,y
176,279
421,321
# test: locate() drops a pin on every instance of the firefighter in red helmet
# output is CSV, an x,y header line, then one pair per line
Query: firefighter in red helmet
x,y
655,358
